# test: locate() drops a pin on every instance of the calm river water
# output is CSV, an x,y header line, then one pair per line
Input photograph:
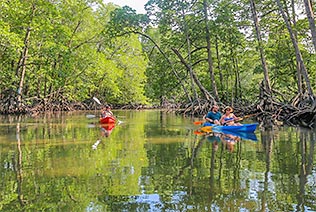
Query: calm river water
x,y
152,161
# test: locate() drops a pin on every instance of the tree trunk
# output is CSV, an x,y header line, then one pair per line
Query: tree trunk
x,y
196,80
298,54
298,68
209,53
21,69
219,65
238,84
189,55
168,60
311,20
263,59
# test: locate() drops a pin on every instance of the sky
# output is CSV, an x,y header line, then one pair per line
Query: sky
x,y
137,5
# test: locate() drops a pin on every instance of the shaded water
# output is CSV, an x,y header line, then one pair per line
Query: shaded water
x,y
153,161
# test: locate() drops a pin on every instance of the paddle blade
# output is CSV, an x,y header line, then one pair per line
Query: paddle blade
x,y
89,116
206,129
198,132
198,122
96,100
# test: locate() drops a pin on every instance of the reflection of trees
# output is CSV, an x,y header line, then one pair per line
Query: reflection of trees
x,y
17,166
128,173
212,169
288,172
196,145
267,141
212,181
52,166
305,167
237,167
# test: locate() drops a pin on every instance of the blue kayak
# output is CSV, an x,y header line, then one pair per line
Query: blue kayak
x,y
242,128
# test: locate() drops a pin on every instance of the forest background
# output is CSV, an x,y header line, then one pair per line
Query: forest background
x,y
257,56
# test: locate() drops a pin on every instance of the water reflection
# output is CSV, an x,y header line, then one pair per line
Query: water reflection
x,y
306,169
153,162
105,131
227,138
17,164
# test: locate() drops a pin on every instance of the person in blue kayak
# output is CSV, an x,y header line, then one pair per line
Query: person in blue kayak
x,y
213,116
228,119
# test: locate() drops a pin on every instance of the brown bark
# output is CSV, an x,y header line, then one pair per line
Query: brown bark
x,y
189,56
168,60
219,65
263,60
195,78
298,54
311,20
21,68
209,53
298,68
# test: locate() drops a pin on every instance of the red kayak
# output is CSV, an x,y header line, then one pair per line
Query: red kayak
x,y
107,120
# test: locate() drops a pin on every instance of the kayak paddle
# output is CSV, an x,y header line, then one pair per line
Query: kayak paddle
x,y
206,129
90,116
198,122
96,100
198,132
247,116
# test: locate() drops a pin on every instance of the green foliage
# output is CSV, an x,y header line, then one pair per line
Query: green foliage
x,y
78,49
236,59
69,53
125,20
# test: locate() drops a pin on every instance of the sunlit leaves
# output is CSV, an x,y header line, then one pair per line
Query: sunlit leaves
x,y
125,19
70,52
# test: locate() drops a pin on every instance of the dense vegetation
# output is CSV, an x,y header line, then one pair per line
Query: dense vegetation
x,y
62,51
184,54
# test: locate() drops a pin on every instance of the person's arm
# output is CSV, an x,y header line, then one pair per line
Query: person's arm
x,y
235,118
222,120
102,114
208,119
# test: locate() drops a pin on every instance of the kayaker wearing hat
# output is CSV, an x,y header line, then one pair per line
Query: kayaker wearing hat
x,y
229,118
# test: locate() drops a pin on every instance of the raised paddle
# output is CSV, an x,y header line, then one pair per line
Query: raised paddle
x,y
90,116
96,100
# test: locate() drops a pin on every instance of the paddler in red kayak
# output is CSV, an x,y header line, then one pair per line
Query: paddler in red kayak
x,y
106,111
